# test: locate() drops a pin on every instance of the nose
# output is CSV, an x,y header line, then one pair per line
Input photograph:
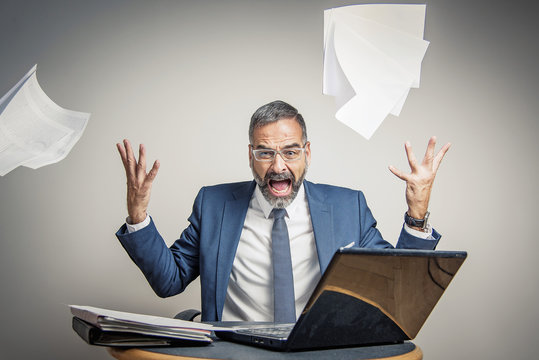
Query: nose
x,y
278,165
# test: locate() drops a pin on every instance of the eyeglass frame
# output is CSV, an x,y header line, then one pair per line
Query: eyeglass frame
x,y
280,152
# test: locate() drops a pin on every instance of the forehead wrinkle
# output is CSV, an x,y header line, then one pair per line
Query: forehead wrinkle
x,y
278,135
277,142
287,146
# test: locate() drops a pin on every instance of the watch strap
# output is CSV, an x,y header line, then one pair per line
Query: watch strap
x,y
421,223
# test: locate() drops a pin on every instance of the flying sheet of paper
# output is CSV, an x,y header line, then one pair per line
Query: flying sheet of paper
x,y
372,57
34,131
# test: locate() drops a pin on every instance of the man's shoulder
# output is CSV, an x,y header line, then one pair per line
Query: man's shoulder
x,y
227,187
331,193
329,189
229,190
339,197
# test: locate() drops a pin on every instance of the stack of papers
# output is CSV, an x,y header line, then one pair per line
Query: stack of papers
x,y
372,57
123,328
34,131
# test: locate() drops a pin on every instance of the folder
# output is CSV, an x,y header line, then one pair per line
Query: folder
x,y
105,327
95,336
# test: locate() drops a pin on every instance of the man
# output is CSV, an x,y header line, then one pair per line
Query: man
x,y
234,227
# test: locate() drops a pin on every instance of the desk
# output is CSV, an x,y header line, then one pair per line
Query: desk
x,y
220,349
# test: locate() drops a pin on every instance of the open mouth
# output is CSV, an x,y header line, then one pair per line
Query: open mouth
x,y
280,187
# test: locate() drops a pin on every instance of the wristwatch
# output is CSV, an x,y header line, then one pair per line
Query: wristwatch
x,y
421,223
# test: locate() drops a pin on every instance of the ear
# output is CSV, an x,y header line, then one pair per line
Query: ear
x,y
308,153
250,156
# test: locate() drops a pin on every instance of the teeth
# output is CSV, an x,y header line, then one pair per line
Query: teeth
x,y
280,191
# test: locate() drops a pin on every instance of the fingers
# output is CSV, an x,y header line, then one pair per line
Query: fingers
x,y
429,153
410,155
123,155
136,171
131,162
430,161
153,172
429,158
398,173
141,166
439,157
127,156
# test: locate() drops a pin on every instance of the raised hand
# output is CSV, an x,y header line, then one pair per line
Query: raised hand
x,y
419,181
139,183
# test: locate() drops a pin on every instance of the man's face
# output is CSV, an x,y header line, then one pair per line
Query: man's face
x,y
279,180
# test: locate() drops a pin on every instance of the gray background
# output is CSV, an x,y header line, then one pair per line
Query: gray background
x,y
184,77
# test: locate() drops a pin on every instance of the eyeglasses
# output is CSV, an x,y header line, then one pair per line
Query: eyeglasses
x,y
288,154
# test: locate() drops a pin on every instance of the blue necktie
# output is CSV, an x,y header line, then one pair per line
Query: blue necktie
x,y
283,279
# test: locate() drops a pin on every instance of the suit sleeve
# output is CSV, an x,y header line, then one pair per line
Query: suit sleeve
x,y
408,241
372,238
168,270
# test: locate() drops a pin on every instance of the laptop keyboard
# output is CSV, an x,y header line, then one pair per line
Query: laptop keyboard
x,y
277,332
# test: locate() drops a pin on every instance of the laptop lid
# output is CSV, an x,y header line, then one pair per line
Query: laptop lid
x,y
374,296
368,296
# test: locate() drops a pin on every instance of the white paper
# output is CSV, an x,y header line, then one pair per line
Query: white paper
x,y
90,314
34,131
372,57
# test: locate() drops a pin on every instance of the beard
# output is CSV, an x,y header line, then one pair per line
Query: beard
x,y
279,202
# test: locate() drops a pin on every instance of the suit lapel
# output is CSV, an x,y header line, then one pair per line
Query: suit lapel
x,y
231,226
322,221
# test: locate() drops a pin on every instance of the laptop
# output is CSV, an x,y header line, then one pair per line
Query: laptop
x,y
365,297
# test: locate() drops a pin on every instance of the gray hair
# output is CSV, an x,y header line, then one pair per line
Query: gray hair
x,y
275,111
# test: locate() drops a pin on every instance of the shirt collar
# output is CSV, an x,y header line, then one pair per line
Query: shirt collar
x,y
290,209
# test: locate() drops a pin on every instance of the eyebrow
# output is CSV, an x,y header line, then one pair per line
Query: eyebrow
x,y
294,145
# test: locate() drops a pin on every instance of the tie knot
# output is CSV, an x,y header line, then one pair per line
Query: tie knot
x,y
279,213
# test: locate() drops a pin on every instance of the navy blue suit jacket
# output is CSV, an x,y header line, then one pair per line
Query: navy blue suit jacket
x,y
207,247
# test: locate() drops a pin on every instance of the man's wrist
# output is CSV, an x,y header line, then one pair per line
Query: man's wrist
x,y
419,233
136,218
417,224
135,227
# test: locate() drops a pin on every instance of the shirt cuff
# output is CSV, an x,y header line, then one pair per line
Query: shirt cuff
x,y
131,228
420,234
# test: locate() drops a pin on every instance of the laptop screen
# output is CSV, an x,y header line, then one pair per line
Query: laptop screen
x,y
403,285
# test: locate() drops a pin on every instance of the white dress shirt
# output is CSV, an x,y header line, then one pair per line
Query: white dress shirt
x,y
249,294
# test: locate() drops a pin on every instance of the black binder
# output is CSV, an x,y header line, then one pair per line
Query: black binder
x,y
95,336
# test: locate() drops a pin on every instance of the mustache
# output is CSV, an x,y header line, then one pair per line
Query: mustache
x,y
279,176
